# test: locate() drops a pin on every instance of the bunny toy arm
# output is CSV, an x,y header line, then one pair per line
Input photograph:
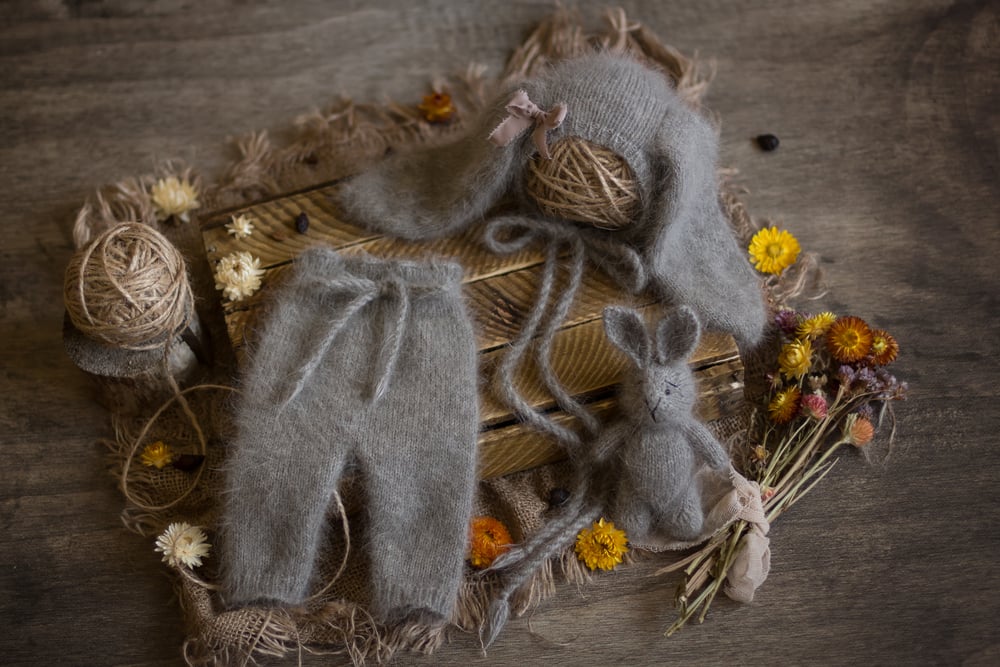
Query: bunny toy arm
x,y
706,445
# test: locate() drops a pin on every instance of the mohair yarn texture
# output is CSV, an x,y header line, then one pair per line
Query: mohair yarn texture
x,y
370,365
657,497
612,101
657,472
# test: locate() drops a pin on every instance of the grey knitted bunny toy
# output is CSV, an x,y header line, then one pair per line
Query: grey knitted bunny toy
x,y
687,245
641,471
656,496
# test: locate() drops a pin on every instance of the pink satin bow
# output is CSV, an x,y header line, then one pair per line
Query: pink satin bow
x,y
523,114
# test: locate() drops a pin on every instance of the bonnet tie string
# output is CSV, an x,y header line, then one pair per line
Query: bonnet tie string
x,y
512,234
523,113
361,292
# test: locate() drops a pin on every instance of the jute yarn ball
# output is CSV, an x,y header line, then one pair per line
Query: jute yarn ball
x,y
129,288
584,182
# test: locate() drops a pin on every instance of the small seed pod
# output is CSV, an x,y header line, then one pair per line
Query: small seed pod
x,y
302,223
768,142
558,496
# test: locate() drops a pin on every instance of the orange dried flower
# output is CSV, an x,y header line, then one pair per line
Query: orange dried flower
x,y
489,539
858,430
784,405
437,108
884,347
760,453
849,339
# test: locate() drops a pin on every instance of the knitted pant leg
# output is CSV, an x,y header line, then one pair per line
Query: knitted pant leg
x,y
278,492
286,459
417,450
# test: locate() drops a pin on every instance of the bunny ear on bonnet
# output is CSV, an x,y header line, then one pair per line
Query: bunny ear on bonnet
x,y
626,329
435,191
693,254
677,335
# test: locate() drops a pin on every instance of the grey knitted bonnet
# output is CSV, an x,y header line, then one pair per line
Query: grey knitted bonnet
x,y
688,248
612,102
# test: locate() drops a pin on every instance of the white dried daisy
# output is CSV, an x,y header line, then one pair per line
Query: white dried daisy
x,y
172,196
238,275
183,544
241,226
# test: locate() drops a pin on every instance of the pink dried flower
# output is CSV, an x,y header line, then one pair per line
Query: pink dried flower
x,y
813,406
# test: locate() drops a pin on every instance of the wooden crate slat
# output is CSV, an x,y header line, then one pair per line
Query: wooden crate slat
x,y
498,305
275,240
507,449
500,292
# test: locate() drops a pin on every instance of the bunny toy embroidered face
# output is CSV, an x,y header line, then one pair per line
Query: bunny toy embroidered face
x,y
665,385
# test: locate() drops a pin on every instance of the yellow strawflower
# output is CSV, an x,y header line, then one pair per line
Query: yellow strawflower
x,y
602,546
156,455
784,405
795,358
772,251
815,326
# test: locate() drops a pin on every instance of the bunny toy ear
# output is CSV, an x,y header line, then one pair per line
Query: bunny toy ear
x,y
677,335
627,330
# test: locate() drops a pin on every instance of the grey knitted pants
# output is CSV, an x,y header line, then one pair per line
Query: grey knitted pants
x,y
367,363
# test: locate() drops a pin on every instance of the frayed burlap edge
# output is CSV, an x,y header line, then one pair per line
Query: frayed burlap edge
x,y
324,146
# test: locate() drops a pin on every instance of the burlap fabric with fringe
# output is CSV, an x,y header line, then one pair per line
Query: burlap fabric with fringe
x,y
328,146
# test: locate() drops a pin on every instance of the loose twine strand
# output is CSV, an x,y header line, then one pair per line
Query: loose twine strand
x,y
129,288
181,397
584,182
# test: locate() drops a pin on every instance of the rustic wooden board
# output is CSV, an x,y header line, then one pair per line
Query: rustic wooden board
x,y
887,168
500,292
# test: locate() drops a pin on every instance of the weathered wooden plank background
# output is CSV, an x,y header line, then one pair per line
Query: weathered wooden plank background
x,y
888,169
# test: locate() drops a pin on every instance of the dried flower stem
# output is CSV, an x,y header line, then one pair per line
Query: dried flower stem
x,y
800,461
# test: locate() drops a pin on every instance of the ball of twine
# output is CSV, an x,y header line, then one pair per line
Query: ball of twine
x,y
129,288
584,182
